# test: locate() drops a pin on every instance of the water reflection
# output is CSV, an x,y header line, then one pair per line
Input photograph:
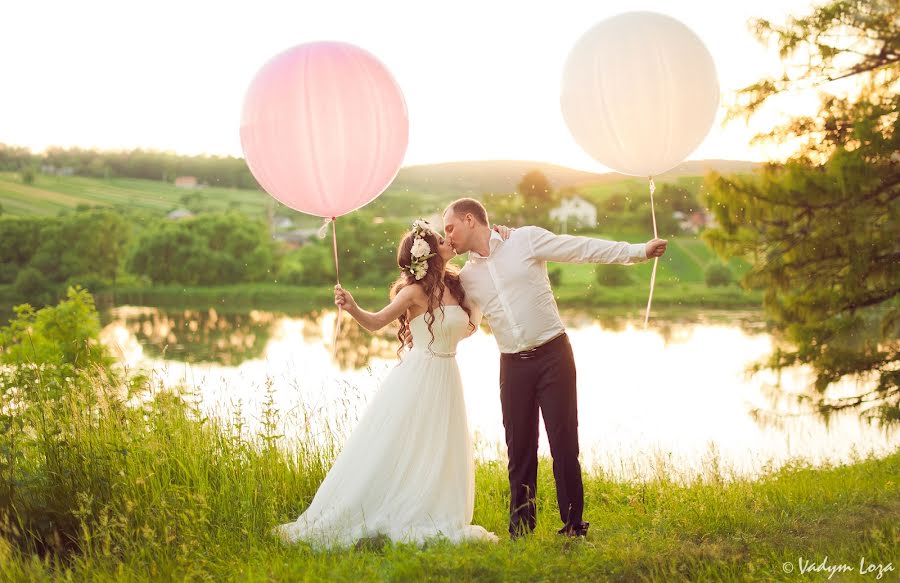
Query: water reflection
x,y
198,336
677,393
192,335
356,347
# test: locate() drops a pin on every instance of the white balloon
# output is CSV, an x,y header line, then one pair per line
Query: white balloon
x,y
639,92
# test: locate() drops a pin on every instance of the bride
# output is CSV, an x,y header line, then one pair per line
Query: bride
x,y
407,470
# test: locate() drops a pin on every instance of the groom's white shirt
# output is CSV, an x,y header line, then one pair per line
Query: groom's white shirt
x,y
511,286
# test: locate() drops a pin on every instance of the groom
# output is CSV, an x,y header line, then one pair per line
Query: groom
x,y
507,280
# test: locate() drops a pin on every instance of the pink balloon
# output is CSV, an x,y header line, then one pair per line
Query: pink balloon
x,y
324,128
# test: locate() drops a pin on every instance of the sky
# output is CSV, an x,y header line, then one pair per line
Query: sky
x,y
481,79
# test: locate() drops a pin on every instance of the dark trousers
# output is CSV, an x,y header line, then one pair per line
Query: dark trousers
x,y
541,379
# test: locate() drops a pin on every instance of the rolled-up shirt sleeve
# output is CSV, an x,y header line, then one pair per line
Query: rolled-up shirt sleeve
x,y
547,246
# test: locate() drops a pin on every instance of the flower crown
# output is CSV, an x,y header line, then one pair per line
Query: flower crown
x,y
421,251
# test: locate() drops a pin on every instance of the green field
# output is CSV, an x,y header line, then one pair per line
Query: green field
x,y
49,195
685,261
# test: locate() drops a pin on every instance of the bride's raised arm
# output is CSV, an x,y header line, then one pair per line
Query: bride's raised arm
x,y
373,322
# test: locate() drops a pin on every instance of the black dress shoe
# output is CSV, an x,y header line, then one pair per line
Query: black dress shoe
x,y
573,530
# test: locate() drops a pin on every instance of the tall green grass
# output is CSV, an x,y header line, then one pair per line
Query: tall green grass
x,y
106,476
107,490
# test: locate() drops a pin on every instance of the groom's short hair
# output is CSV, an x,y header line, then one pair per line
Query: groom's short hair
x,y
463,206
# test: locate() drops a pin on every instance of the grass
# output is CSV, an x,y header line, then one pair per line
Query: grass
x,y
685,261
115,480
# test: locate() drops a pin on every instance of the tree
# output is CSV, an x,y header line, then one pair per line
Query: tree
x,y
210,249
13,158
102,236
821,228
309,265
534,186
672,197
537,197
717,275
19,237
82,244
612,275
505,209
367,252
163,252
33,286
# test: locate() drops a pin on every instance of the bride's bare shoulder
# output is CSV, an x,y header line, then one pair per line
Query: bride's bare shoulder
x,y
415,293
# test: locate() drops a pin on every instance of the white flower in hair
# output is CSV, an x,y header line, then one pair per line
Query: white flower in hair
x,y
421,251
420,248
423,225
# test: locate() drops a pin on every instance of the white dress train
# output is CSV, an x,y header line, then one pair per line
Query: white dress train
x,y
407,470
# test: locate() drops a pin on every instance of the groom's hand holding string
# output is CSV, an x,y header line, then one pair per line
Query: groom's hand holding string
x,y
656,248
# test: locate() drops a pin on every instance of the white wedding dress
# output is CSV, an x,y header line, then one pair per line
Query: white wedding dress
x,y
407,470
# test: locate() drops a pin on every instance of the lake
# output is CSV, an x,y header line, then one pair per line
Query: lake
x,y
675,396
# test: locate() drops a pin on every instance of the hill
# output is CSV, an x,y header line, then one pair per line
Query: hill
x,y
478,177
416,188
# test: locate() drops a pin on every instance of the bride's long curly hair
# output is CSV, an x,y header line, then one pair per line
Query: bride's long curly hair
x,y
433,285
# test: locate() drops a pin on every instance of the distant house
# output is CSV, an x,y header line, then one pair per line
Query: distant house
x,y
179,214
281,223
186,182
575,212
58,171
694,222
295,238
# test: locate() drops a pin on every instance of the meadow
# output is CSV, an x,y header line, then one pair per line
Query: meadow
x,y
124,482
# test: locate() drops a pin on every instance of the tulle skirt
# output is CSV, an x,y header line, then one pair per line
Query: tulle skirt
x,y
407,470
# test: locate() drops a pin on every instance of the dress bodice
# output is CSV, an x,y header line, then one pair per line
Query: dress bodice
x,y
449,329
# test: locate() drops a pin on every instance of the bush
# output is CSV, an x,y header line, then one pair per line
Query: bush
x,y
67,334
613,275
556,276
27,175
718,275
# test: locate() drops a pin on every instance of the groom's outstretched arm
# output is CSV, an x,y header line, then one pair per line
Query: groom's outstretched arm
x,y
548,246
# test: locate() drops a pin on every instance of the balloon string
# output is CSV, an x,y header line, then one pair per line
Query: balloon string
x,y
337,275
655,259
